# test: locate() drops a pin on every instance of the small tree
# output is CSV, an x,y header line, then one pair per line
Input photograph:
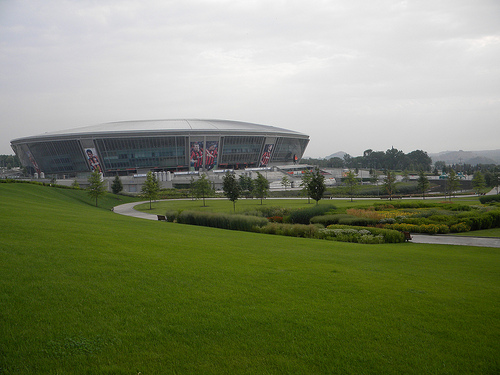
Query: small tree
x,y
202,188
261,187
231,188
422,183
246,184
285,182
96,187
351,182
116,186
150,188
478,182
75,184
306,178
316,186
390,184
452,183
405,175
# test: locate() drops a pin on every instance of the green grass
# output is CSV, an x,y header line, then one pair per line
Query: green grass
x,y
493,232
87,291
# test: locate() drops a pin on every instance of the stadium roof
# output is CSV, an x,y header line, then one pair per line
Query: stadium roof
x,y
152,127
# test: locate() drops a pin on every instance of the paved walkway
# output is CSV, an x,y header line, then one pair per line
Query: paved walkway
x,y
127,209
440,239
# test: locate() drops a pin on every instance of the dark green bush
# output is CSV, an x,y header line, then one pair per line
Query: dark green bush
x,y
357,221
171,216
489,198
329,219
303,216
220,220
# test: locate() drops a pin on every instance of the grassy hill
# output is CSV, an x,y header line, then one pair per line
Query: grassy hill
x,y
87,291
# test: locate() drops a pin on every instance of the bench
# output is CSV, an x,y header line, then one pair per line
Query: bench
x,y
407,236
162,218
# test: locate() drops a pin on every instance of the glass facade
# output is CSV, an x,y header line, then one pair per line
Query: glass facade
x,y
241,150
287,148
63,157
148,152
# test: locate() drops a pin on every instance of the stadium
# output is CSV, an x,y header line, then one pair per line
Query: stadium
x,y
133,147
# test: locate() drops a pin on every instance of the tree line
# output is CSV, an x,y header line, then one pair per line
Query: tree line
x,y
392,159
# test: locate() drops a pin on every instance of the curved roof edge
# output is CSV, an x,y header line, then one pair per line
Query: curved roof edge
x,y
170,126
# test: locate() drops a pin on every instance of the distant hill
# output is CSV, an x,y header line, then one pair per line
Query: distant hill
x,y
339,154
467,157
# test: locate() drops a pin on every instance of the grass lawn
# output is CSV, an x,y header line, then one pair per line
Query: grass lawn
x,y
87,291
493,232
224,205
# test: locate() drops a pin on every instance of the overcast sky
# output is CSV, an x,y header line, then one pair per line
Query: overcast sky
x,y
352,74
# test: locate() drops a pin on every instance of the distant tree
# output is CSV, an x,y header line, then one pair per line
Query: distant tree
x,y
202,188
335,162
261,187
96,188
422,183
351,182
405,175
493,179
150,188
440,165
478,182
116,186
452,183
285,182
75,185
390,184
246,184
305,183
231,188
419,160
316,185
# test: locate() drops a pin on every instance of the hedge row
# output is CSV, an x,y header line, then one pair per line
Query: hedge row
x,y
342,233
218,220
424,228
304,216
489,198
343,219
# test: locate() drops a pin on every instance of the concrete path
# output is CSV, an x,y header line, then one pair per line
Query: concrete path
x,y
127,209
440,239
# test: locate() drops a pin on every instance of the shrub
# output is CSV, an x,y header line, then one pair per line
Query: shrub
x,y
171,216
460,227
424,228
220,220
275,219
362,235
303,216
329,219
358,221
292,230
489,198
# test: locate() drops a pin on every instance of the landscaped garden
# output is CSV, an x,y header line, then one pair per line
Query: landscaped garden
x,y
362,221
86,291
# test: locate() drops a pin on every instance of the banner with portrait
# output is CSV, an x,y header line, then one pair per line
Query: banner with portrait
x,y
211,153
266,155
196,155
93,159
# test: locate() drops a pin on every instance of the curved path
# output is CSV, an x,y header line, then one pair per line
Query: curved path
x,y
127,209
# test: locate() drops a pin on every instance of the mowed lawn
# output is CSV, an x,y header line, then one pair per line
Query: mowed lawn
x,y
87,291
